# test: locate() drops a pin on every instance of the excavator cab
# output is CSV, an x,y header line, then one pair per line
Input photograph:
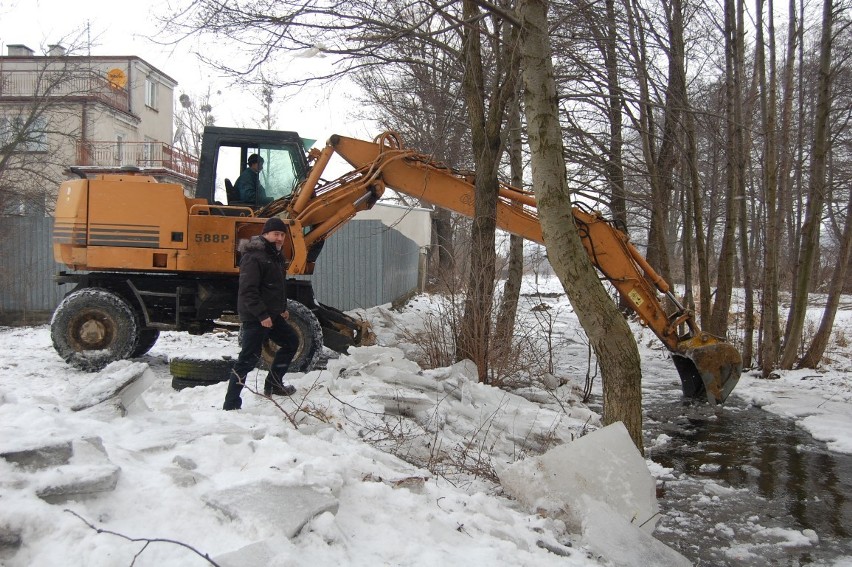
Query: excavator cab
x,y
224,156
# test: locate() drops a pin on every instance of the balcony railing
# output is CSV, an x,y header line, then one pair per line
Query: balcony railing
x,y
76,84
156,155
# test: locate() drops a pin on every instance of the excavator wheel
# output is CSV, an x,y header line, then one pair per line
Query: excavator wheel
x,y
306,326
147,339
92,327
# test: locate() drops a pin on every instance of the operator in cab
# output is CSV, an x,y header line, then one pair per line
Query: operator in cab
x,y
248,183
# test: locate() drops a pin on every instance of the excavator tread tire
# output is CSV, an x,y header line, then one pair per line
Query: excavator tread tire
x,y
201,371
92,327
147,339
307,327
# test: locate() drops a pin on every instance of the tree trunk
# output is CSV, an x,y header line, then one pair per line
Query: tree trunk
x,y
614,166
770,329
442,220
816,194
735,173
748,288
486,123
794,210
657,161
813,356
697,209
607,330
512,287
662,172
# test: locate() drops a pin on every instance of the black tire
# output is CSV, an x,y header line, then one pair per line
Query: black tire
x,y
92,327
307,327
181,383
147,338
212,370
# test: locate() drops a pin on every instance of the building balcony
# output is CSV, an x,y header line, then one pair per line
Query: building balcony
x,y
62,84
150,157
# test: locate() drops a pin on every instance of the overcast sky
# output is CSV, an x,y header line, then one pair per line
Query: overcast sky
x,y
124,28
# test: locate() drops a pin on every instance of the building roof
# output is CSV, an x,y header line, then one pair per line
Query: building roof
x,y
101,58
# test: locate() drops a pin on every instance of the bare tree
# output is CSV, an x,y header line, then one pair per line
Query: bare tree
x,y
512,288
770,330
40,118
191,116
420,99
607,330
487,96
266,96
815,351
816,190
735,162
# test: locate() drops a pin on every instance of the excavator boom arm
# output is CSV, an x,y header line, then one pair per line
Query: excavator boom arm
x,y
705,363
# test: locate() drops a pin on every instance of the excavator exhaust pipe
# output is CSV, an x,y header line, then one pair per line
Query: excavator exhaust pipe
x,y
711,369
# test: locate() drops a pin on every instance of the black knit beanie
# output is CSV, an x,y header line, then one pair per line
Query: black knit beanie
x,y
274,223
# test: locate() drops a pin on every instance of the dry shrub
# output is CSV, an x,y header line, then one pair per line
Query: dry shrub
x,y
513,363
840,339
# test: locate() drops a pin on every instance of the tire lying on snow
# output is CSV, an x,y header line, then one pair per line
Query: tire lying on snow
x,y
180,383
305,324
202,371
92,327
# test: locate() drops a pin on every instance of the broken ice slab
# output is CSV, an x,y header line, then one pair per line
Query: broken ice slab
x,y
604,465
41,457
122,378
75,482
288,508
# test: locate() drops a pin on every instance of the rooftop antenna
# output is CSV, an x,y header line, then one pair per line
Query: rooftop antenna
x,y
88,38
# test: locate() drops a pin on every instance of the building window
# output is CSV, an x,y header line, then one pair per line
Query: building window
x,y
151,92
16,136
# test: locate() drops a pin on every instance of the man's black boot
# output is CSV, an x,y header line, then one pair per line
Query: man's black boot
x,y
273,387
232,396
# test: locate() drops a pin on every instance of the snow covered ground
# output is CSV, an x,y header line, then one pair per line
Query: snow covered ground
x,y
357,440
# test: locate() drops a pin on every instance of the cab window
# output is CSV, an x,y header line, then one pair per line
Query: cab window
x,y
282,171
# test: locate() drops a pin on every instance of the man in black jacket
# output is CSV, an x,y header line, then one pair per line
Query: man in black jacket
x,y
262,306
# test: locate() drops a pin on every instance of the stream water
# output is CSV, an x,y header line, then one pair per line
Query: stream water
x,y
747,487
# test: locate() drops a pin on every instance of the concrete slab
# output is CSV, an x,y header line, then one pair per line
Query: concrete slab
x,y
287,507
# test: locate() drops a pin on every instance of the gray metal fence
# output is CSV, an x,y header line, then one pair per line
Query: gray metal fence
x,y
28,293
362,265
365,264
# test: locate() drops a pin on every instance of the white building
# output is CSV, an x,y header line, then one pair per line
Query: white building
x,y
89,113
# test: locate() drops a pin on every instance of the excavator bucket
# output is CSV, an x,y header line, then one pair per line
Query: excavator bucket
x,y
710,368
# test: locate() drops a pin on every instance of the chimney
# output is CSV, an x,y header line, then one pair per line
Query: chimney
x,y
20,50
55,50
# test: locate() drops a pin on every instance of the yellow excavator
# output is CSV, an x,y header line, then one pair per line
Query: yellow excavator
x,y
147,258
